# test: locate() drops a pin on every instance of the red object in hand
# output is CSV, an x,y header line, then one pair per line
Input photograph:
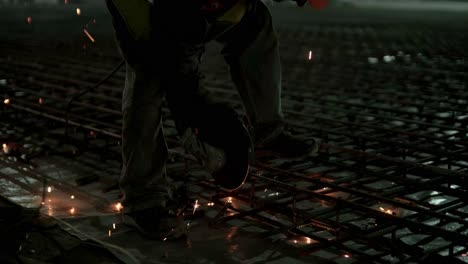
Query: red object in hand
x,y
318,4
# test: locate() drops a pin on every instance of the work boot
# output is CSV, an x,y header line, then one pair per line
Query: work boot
x,y
159,223
280,141
210,157
220,140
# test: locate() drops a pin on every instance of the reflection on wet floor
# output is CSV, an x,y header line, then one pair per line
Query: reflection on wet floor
x,y
236,242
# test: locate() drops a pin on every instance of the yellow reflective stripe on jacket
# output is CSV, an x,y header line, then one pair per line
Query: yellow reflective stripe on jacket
x,y
136,14
228,19
235,13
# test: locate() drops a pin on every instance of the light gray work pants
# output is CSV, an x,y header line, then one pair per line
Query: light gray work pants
x,y
170,67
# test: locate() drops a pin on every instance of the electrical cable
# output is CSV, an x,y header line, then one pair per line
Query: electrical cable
x,y
44,183
70,102
85,91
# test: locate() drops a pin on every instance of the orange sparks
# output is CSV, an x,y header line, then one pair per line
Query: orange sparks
x,y
118,207
29,20
72,197
229,200
49,189
109,233
5,148
78,11
72,210
89,35
195,206
388,211
113,226
6,101
347,256
310,55
210,204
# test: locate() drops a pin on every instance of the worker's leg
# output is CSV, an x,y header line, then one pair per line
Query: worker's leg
x,y
187,31
183,94
191,108
251,50
144,151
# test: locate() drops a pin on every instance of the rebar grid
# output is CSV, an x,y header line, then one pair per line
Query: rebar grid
x,y
389,183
